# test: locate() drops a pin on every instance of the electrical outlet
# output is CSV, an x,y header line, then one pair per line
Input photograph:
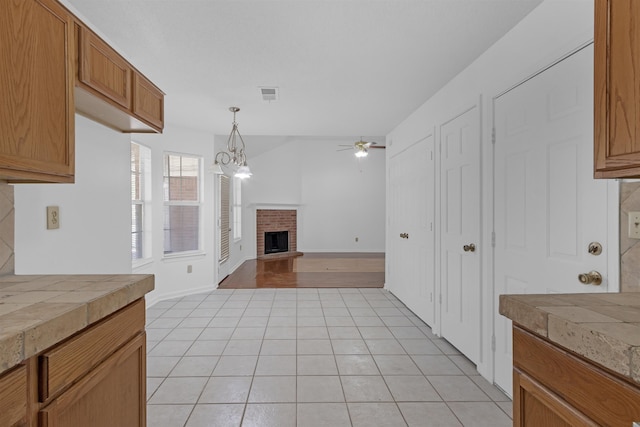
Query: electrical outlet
x,y
189,268
53,217
634,225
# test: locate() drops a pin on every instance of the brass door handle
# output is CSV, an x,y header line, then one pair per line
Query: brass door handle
x,y
469,248
592,277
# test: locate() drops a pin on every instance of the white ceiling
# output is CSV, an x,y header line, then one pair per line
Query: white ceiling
x,y
344,68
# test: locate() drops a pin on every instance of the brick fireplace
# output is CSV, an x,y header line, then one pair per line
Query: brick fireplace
x,y
276,220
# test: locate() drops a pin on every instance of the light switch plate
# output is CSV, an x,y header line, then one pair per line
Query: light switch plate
x,y
634,225
53,217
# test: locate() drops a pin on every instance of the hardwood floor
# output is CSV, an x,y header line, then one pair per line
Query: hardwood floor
x,y
311,270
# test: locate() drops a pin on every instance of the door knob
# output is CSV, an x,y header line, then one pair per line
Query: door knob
x,y
404,235
592,277
469,248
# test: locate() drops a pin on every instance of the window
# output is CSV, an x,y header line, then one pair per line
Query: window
x,y
181,203
237,208
140,202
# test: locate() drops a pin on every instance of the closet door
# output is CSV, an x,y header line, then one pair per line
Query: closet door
x,y
411,186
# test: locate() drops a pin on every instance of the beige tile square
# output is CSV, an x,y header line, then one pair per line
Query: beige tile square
x,y
276,365
411,389
457,389
319,389
349,347
207,348
278,347
480,413
438,414
375,415
226,390
235,366
343,332
228,415
385,346
317,365
243,348
436,365
270,415
323,415
168,415
396,365
312,332
365,389
356,364
195,366
314,347
179,390
273,389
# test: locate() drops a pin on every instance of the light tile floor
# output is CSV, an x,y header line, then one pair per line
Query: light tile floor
x,y
308,357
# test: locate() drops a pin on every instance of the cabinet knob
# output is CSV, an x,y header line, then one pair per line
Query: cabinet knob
x,y
469,248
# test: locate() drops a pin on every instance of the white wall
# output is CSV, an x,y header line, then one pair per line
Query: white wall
x,y
338,198
172,278
548,33
95,213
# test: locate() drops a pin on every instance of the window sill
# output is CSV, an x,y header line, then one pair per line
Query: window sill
x,y
182,255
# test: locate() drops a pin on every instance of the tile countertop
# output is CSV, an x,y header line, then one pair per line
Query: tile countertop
x,y
37,312
604,328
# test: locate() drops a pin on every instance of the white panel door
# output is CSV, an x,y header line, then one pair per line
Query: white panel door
x,y
548,208
460,232
412,195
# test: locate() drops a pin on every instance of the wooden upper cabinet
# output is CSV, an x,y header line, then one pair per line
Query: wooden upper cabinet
x,y
148,101
102,69
111,91
36,92
617,88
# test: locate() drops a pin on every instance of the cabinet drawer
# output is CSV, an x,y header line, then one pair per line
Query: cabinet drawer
x,y
148,101
13,397
589,389
67,362
102,69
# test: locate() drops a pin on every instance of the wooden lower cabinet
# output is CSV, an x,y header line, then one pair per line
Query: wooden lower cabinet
x,y
553,387
113,394
13,397
96,378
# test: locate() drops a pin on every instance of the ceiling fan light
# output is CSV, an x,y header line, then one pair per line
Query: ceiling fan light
x,y
243,172
362,153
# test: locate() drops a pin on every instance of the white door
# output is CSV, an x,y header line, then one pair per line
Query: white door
x,y
411,186
460,232
224,228
548,208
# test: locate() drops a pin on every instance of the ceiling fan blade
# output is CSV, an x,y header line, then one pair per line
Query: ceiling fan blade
x,y
345,149
378,146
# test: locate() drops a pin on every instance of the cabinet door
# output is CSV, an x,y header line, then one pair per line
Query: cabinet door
x,y
103,70
36,92
113,394
13,397
148,101
617,88
535,405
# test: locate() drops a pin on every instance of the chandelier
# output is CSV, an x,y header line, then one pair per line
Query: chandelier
x,y
235,154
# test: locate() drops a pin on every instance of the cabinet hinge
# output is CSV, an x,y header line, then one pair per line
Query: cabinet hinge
x,y
493,135
431,153
493,239
493,343
440,299
431,226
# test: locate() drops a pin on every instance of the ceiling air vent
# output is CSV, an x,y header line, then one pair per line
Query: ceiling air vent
x,y
269,94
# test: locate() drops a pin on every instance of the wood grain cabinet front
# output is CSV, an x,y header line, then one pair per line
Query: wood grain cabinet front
x,y
111,91
617,89
36,92
13,397
555,388
112,394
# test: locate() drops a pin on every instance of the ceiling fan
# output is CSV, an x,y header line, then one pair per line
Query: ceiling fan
x,y
361,147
